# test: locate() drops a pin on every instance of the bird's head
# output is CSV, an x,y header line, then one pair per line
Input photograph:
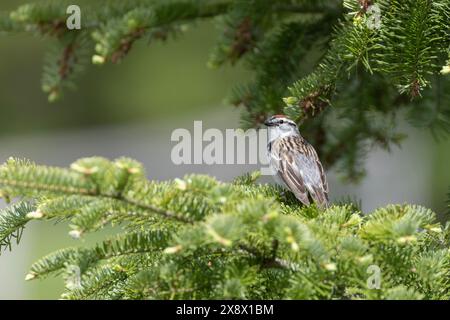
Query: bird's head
x,y
281,121
280,125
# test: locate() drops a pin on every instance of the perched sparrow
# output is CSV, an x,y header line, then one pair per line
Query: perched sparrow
x,y
294,161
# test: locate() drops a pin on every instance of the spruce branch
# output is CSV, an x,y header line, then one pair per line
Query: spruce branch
x,y
12,222
242,239
116,37
31,180
408,51
64,63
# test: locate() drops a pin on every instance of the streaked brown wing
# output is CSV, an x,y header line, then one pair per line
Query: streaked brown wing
x,y
322,191
293,181
302,171
284,164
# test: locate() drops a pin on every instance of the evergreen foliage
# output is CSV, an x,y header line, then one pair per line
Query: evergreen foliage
x,y
333,62
336,69
198,238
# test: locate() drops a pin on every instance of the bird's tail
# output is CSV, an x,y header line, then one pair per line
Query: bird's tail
x,y
320,197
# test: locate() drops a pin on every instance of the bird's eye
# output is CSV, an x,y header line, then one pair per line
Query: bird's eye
x,y
281,121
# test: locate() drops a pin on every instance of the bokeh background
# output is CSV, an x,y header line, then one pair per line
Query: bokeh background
x,y
131,109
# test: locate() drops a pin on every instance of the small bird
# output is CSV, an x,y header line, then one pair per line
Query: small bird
x,y
294,162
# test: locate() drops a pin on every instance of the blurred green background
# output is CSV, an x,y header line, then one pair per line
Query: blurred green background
x,y
151,83
131,108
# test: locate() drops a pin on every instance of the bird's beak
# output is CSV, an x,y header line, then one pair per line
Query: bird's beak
x,y
268,123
